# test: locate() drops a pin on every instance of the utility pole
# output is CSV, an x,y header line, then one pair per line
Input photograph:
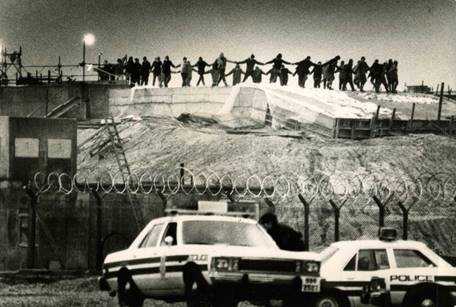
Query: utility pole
x,y
439,113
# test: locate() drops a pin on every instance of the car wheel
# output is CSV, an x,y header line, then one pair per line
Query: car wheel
x,y
128,293
330,301
427,298
196,288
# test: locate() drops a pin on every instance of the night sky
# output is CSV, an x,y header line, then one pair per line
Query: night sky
x,y
419,34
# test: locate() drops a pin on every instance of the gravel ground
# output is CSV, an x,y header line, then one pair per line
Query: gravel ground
x,y
74,292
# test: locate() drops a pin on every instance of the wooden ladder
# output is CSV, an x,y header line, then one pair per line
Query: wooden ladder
x,y
124,169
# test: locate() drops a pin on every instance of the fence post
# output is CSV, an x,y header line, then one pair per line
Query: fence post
x,y
99,230
439,113
381,211
306,221
405,216
31,242
181,173
336,220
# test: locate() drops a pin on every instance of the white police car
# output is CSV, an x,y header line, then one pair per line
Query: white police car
x,y
391,272
208,259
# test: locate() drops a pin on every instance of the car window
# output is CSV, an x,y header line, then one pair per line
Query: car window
x,y
151,239
408,258
351,265
225,233
171,231
372,259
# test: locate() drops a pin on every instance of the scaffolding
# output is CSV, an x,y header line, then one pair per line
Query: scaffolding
x,y
13,71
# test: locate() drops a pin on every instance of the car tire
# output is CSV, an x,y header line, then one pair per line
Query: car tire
x,y
128,293
430,297
330,300
196,288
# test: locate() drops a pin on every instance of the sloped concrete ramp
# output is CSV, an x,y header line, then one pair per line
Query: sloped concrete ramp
x,y
246,101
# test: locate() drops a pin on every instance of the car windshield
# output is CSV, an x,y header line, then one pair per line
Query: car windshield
x,y
226,233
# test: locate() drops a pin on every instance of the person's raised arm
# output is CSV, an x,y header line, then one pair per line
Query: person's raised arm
x,y
259,63
269,62
242,62
286,62
328,62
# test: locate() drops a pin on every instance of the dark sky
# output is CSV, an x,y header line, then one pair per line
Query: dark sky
x,y
419,34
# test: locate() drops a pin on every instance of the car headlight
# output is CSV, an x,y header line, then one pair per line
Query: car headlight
x,y
224,264
311,267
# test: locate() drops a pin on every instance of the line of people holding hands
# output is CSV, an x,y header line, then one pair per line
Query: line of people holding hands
x,y
380,74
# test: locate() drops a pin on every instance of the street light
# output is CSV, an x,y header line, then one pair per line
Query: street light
x,y
88,40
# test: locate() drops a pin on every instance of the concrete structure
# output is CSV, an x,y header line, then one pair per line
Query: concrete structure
x,y
30,145
422,89
38,100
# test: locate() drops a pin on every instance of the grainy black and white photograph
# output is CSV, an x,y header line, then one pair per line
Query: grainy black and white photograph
x,y
295,153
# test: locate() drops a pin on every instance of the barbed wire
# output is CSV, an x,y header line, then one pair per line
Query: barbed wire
x,y
338,187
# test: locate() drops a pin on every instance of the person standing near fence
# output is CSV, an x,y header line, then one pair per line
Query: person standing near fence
x,y
347,70
129,70
283,75
329,69
250,64
201,70
393,78
339,69
136,74
285,237
257,75
166,70
317,72
221,66
186,72
145,71
120,68
360,71
302,70
157,71
237,74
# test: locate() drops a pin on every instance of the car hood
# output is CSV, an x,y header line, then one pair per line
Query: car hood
x,y
250,252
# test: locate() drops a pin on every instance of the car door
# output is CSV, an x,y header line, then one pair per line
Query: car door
x,y
362,266
146,261
411,266
172,260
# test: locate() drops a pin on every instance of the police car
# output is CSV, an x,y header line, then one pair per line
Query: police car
x,y
385,272
216,260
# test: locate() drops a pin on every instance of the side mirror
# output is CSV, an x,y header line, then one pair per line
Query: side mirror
x,y
169,241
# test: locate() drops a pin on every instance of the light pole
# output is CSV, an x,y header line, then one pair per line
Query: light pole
x,y
99,63
88,40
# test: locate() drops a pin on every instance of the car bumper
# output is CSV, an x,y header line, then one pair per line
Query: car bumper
x,y
266,286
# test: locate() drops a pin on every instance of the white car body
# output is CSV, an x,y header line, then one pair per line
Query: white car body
x,y
157,270
400,276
